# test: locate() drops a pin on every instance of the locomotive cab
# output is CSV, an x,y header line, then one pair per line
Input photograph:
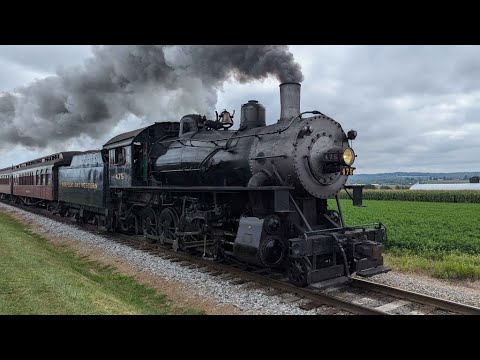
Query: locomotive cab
x,y
130,154
119,160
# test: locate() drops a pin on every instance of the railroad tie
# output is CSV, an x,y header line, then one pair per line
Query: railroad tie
x,y
238,282
260,272
331,289
393,305
363,301
276,276
191,266
273,292
289,298
424,310
310,305
226,276
252,285
216,273
184,263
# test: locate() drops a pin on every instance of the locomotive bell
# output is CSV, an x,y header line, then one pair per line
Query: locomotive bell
x,y
226,118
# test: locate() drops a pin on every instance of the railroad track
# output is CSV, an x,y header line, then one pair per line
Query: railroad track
x,y
238,274
430,303
359,296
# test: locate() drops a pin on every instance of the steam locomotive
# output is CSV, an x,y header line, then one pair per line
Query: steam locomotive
x,y
256,195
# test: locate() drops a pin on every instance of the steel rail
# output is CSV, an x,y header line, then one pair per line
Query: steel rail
x,y
416,297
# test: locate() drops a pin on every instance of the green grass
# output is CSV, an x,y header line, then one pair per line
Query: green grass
x,y
441,239
440,265
37,277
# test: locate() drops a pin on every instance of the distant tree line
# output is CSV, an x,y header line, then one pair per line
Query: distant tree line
x,y
386,187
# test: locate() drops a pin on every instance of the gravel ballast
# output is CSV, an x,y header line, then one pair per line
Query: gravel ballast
x,y
247,299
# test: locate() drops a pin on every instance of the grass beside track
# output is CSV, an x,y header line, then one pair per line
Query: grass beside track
x,y
441,239
37,277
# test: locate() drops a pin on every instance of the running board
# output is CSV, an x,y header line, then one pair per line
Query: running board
x,y
374,271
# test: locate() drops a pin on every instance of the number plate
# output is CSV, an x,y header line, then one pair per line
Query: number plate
x,y
347,171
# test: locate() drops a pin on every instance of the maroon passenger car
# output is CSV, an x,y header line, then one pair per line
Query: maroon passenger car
x,y
6,182
38,179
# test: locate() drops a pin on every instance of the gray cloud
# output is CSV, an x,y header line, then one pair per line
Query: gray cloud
x,y
415,107
42,59
156,82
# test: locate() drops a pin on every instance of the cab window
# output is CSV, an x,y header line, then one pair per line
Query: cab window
x,y
118,156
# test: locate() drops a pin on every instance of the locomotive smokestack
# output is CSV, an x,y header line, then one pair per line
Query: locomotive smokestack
x,y
289,100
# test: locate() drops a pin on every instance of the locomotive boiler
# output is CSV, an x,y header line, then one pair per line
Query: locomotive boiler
x,y
310,154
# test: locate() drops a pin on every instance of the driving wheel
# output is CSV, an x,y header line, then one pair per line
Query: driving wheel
x,y
149,224
168,222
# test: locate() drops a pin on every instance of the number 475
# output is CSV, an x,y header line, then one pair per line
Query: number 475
x,y
347,171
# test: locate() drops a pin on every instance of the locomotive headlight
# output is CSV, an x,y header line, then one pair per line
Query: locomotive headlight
x,y
348,156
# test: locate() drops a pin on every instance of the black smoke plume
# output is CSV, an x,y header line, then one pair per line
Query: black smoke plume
x,y
157,83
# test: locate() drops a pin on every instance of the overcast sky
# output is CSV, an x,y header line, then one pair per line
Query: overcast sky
x,y
415,108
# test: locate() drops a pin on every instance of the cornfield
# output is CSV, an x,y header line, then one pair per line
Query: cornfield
x,y
420,195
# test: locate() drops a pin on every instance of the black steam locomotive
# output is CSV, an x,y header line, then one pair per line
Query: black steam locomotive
x,y
257,195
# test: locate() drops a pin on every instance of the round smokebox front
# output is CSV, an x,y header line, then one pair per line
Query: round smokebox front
x,y
315,138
